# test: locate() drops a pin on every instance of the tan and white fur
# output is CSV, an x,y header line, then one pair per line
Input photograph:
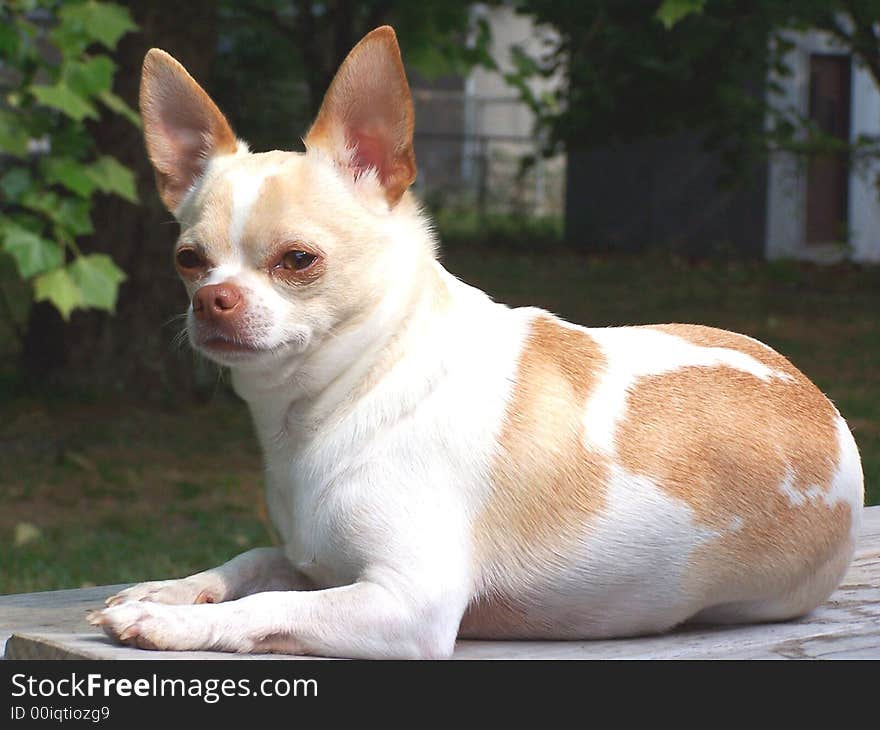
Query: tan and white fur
x,y
439,465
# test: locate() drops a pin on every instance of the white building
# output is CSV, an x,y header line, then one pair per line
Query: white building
x,y
473,131
825,209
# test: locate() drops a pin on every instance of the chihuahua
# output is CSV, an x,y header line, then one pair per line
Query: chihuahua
x,y
439,465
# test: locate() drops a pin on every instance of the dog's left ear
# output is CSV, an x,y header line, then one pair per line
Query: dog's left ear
x,y
366,118
183,127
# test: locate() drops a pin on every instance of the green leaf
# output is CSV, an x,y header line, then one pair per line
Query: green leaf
x,y
9,40
103,22
62,97
13,134
42,202
70,173
672,11
114,103
69,37
59,288
15,182
98,280
32,253
90,77
111,176
73,215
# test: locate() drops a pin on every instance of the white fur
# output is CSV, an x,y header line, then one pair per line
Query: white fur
x,y
379,392
624,573
227,271
848,482
796,497
374,498
634,352
188,205
379,440
362,497
245,189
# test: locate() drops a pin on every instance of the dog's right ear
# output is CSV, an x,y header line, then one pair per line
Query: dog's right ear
x,y
183,127
366,119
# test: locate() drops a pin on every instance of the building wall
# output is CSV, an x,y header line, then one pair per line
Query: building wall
x,y
503,128
864,191
662,192
785,235
472,133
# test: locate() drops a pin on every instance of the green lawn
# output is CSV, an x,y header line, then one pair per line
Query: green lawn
x,y
119,492
98,492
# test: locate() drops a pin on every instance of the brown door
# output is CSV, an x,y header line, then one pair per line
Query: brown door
x,y
827,174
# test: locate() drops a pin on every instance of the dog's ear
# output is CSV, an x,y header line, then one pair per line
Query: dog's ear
x,y
366,118
183,127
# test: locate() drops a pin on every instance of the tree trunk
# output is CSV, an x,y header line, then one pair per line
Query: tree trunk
x,y
134,350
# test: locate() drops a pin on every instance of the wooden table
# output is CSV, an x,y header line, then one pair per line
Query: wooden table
x,y
52,625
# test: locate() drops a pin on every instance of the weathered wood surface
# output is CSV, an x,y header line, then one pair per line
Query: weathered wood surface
x,y
52,625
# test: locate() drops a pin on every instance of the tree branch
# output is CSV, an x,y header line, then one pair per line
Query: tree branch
x,y
863,41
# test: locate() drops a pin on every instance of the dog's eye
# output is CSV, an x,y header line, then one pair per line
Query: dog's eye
x,y
297,260
189,260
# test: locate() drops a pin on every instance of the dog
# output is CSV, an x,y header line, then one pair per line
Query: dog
x,y
439,465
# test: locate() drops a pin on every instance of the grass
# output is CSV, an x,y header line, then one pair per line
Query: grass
x,y
118,492
102,492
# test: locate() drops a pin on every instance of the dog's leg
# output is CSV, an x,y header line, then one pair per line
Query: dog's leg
x,y
362,620
262,569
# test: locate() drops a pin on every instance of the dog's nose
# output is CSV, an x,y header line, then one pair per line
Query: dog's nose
x,y
216,300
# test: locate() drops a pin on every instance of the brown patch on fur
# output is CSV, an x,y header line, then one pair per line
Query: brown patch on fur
x,y
724,442
274,220
369,106
501,616
210,234
545,482
183,127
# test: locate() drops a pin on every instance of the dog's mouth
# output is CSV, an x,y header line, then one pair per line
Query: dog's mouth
x,y
240,346
226,347
218,343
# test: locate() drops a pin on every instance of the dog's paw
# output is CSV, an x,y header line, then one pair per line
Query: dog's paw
x,y
182,592
149,626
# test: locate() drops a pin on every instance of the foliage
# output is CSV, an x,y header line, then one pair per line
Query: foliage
x,y
55,75
636,70
671,11
309,40
465,226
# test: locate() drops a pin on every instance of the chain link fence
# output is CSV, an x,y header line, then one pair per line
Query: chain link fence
x,y
482,153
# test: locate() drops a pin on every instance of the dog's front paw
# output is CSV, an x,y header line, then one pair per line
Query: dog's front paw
x,y
182,592
150,626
